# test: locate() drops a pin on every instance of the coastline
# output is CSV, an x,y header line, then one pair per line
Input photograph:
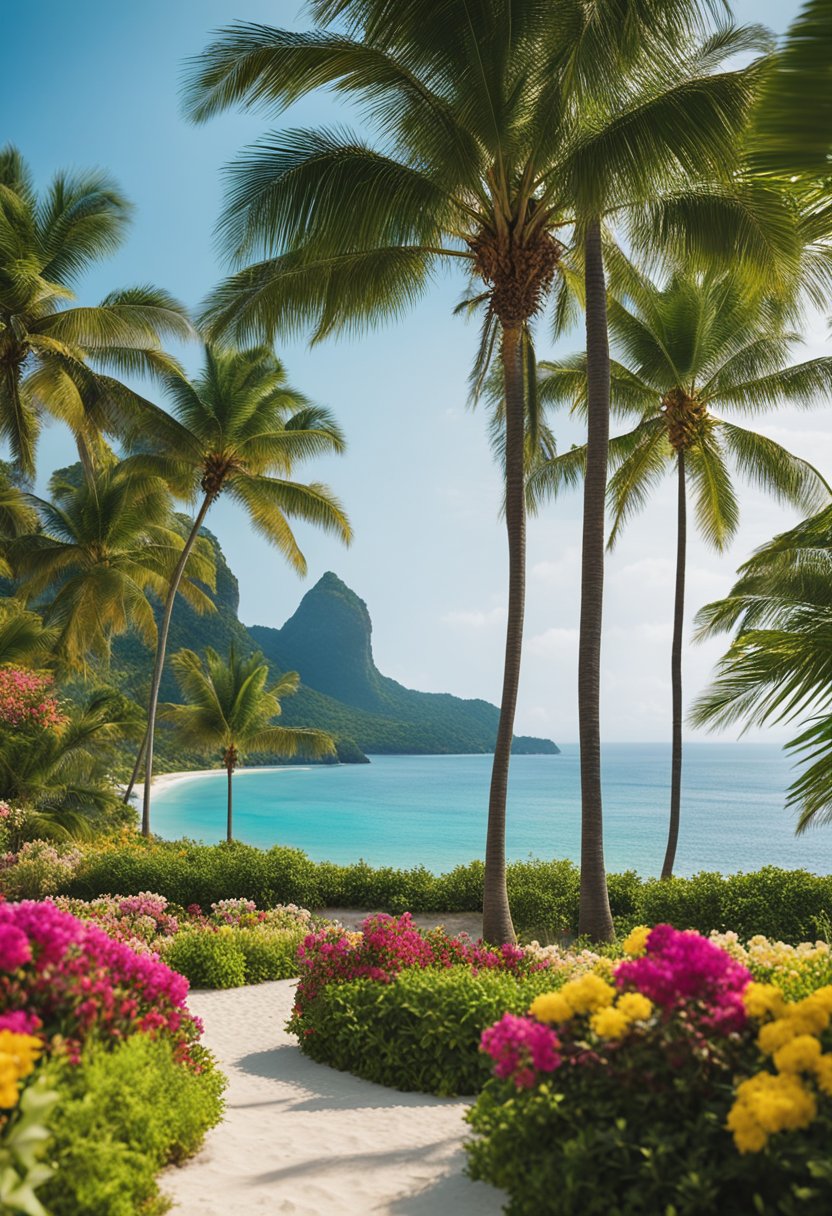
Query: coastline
x,y
165,781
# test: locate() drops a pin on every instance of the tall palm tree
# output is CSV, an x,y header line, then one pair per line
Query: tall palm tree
x,y
696,344
55,355
503,128
239,428
230,710
778,668
105,544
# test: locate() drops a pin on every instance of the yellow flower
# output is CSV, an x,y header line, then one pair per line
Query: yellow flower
x,y
636,941
587,993
763,999
823,998
823,1073
775,1035
610,1023
810,1014
551,1007
751,1139
18,1056
635,1006
799,1055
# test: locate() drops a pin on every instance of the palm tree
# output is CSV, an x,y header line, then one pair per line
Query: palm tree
x,y
104,546
62,776
54,355
503,127
696,344
230,710
240,429
24,640
779,665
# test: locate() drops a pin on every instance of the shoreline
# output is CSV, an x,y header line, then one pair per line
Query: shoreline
x,y
165,781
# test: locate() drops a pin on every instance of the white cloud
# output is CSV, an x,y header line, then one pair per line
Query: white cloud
x,y
476,619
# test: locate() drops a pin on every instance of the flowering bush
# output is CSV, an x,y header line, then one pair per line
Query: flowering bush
x,y
13,823
649,1093
60,976
39,869
385,946
26,700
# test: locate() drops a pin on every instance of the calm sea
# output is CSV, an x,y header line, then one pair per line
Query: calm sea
x,y
431,810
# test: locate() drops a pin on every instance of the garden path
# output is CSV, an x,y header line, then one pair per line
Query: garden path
x,y
302,1139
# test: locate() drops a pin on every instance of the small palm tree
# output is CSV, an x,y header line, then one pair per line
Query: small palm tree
x,y
697,344
238,429
55,356
230,710
779,666
505,130
104,546
23,638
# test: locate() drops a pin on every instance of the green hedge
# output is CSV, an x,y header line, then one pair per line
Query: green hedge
x,y
123,1115
233,957
420,1032
789,904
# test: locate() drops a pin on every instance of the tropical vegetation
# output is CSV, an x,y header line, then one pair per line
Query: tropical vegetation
x,y
694,345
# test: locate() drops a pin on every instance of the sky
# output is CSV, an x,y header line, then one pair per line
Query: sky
x,y
95,84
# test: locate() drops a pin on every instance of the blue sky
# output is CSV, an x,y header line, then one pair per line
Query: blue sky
x,y
93,83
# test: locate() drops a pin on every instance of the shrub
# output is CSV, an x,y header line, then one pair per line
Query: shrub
x,y
420,1032
62,976
268,954
683,1087
787,904
122,1115
208,960
39,869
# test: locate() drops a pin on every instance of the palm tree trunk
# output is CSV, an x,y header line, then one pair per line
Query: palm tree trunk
x,y
676,674
229,835
134,776
595,919
497,926
161,647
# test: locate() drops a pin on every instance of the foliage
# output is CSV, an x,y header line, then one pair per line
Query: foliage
x,y
38,869
24,1138
619,1096
787,904
122,1115
420,1032
778,667
62,976
208,960
55,356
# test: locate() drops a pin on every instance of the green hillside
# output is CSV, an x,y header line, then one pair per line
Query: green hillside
x,y
329,641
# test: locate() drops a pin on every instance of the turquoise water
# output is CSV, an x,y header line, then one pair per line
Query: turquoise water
x,y
430,810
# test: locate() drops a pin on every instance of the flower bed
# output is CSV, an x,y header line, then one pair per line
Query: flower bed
x,y
406,1008
75,1002
234,943
678,1084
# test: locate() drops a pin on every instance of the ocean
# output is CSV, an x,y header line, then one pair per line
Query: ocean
x,y
431,810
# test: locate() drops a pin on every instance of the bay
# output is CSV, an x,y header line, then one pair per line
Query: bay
x,y
431,810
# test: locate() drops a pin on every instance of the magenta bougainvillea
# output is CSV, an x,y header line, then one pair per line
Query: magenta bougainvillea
x,y
67,980
26,699
388,944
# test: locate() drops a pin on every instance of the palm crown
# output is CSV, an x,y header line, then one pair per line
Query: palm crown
x,y
697,344
104,545
56,356
230,709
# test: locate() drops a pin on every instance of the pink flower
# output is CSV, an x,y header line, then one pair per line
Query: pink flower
x,y
521,1049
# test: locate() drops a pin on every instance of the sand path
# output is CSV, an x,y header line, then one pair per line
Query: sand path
x,y
303,1139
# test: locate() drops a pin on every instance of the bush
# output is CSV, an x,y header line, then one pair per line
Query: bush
x,y
268,954
683,1088
207,960
122,1115
420,1032
787,904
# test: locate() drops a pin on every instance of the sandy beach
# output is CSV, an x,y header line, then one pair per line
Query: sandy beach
x,y
164,781
304,1140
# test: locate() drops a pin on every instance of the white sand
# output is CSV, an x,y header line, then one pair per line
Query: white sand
x,y
305,1140
163,781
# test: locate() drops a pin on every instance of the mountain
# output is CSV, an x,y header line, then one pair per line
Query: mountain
x,y
328,641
